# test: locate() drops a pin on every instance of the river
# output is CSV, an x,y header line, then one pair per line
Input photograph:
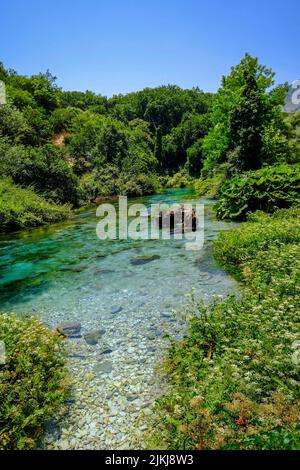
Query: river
x,y
63,273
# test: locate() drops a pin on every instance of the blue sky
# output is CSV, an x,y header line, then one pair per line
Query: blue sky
x,y
117,46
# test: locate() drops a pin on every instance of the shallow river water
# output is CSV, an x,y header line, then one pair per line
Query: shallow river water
x,y
64,274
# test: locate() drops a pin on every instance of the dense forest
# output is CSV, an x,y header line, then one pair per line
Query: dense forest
x,y
234,375
61,149
69,147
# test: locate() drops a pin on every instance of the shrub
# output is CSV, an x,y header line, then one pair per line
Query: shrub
x,y
100,182
210,186
138,185
267,189
109,181
33,381
44,169
12,123
22,208
179,180
236,248
62,118
234,381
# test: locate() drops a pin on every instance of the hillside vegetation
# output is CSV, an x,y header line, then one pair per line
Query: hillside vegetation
x,y
70,146
22,208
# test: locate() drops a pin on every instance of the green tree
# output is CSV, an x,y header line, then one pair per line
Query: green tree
x,y
194,161
44,169
13,125
292,121
244,109
158,144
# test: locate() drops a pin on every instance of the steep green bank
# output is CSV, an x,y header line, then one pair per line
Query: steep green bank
x,y
234,377
21,208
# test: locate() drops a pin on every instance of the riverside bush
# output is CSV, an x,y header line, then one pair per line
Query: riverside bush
x,y
267,189
235,376
109,181
210,186
22,208
179,180
33,381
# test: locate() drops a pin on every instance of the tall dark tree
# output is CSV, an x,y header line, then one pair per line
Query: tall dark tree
x,y
246,124
158,144
247,121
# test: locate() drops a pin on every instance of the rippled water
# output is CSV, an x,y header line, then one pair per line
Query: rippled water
x,y
64,273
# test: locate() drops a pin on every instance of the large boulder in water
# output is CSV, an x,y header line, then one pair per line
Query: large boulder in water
x,y
178,220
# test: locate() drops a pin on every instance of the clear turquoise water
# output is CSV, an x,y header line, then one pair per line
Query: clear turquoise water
x,y
64,273
66,262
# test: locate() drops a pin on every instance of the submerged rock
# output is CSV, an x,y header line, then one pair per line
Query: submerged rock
x,y
77,356
166,314
92,337
143,259
104,367
74,269
116,309
131,397
69,330
106,351
103,271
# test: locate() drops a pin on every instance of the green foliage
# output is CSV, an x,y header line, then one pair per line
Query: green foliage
x,y
178,142
275,146
83,101
176,119
131,138
195,158
22,208
247,119
181,179
266,189
97,140
210,187
42,89
62,119
243,112
33,381
109,181
44,169
12,123
235,384
292,122
163,106
138,185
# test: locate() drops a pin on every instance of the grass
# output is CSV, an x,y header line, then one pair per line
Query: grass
x,y
235,376
22,208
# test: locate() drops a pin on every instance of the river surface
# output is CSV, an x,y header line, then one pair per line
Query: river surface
x,y
65,274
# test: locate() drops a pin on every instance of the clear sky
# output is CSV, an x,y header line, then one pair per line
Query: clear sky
x,y
117,46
